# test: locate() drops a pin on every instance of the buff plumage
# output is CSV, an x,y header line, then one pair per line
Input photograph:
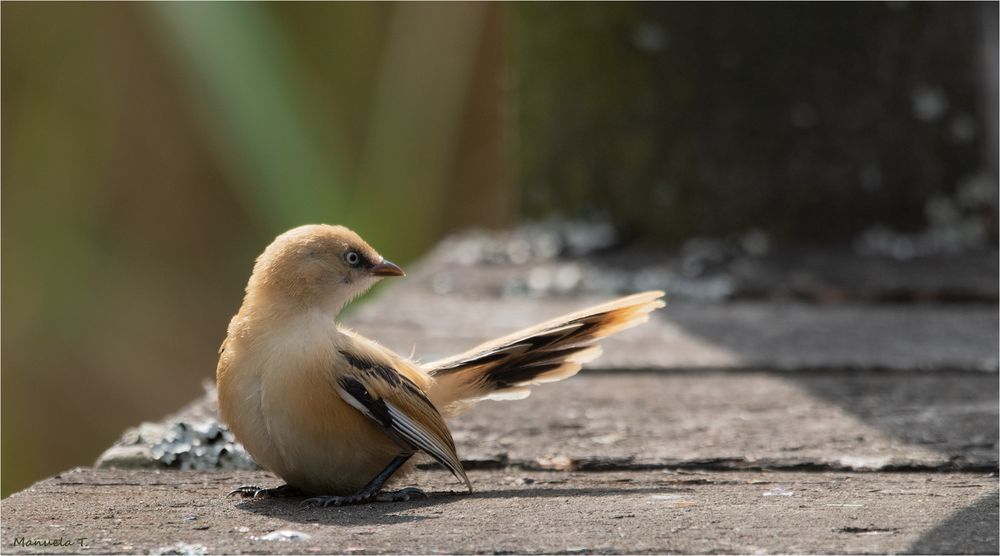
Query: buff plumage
x,y
335,414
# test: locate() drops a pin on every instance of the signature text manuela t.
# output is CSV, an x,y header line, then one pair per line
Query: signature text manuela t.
x,y
21,541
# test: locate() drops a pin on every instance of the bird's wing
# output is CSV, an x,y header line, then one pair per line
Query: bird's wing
x,y
400,408
504,368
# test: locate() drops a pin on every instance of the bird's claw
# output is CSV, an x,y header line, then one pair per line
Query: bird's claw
x,y
401,495
325,501
246,491
254,491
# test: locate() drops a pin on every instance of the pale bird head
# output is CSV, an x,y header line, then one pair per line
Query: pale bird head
x,y
318,265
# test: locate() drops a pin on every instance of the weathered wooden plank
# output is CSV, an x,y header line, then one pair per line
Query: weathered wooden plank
x,y
142,512
743,420
713,420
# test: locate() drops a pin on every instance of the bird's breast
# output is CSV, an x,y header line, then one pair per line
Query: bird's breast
x,y
278,397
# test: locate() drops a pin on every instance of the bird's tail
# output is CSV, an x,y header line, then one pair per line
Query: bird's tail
x,y
505,368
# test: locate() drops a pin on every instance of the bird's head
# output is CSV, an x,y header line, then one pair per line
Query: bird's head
x,y
318,266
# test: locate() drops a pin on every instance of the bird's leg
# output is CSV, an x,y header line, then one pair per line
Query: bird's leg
x,y
253,491
371,492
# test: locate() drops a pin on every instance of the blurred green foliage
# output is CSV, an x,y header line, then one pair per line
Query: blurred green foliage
x,y
152,150
247,91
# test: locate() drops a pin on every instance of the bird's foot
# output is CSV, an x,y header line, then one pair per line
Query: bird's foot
x,y
253,491
401,495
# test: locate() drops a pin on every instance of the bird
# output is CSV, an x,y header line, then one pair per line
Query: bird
x,y
337,415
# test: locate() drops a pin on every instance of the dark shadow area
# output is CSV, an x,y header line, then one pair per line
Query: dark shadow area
x,y
952,413
972,530
387,513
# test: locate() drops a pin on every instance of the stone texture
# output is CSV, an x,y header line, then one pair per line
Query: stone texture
x,y
525,512
714,420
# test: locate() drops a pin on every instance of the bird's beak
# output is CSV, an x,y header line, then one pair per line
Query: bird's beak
x,y
387,268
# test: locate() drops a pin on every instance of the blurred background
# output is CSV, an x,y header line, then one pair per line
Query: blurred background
x,y
150,151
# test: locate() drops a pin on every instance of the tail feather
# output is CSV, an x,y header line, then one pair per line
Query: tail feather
x,y
505,368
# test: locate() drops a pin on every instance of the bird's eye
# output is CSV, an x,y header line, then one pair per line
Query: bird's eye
x,y
352,258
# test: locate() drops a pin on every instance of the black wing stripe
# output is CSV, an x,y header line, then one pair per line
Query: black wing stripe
x,y
417,437
413,432
573,334
385,373
517,376
373,408
409,434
